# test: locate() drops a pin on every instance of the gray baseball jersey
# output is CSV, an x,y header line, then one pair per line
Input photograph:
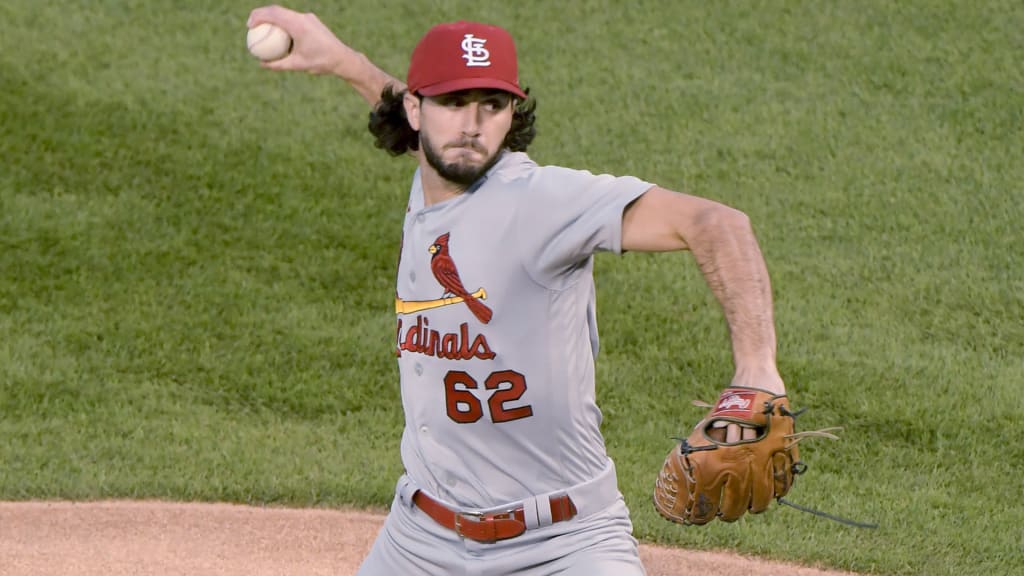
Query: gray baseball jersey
x,y
497,334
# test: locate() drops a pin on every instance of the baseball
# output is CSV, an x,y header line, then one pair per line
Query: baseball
x,y
268,42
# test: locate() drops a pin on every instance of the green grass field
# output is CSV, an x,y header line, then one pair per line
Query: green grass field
x,y
197,255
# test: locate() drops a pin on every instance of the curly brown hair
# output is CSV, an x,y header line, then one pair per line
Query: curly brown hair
x,y
392,132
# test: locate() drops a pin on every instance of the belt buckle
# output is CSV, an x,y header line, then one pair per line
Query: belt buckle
x,y
480,518
476,516
460,517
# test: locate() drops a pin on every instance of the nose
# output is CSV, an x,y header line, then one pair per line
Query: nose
x,y
470,119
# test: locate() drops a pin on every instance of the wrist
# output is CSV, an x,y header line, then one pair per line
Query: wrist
x,y
346,63
767,379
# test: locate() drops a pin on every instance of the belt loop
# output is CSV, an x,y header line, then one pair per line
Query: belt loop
x,y
530,513
543,511
406,489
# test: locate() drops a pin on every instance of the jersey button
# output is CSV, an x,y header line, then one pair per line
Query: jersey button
x,y
419,369
412,276
424,430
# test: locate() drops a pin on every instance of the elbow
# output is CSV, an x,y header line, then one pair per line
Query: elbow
x,y
719,219
739,222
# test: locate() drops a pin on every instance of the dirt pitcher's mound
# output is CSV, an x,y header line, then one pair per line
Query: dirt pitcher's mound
x,y
163,539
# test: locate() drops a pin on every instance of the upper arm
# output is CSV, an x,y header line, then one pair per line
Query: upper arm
x,y
567,215
662,220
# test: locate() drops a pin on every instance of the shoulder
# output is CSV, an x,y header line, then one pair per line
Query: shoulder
x,y
518,171
513,166
573,182
518,168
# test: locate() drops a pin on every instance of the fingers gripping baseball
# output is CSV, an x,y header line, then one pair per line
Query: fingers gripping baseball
x,y
315,49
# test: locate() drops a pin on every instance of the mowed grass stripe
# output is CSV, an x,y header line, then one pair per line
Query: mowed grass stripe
x,y
197,256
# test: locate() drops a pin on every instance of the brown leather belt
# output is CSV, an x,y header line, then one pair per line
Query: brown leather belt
x,y
489,528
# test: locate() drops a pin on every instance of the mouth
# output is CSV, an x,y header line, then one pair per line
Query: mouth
x,y
467,146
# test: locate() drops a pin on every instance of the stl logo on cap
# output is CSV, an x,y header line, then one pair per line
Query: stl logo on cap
x,y
474,51
464,56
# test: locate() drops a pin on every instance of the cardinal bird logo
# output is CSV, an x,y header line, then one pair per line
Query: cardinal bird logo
x,y
443,267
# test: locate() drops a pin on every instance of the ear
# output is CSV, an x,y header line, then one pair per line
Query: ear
x,y
412,110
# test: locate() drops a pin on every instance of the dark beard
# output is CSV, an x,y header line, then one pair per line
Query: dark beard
x,y
460,174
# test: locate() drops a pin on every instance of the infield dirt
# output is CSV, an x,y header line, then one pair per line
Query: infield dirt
x,y
115,538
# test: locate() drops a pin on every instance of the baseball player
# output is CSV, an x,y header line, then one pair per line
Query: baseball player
x,y
505,466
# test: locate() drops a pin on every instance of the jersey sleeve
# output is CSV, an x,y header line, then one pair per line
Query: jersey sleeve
x,y
571,214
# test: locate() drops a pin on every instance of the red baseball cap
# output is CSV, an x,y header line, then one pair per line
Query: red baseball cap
x,y
463,55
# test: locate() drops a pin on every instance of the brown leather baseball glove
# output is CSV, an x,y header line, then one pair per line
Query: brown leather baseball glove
x,y
725,471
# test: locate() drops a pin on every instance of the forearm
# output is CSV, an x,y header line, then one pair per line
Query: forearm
x,y
730,259
363,75
317,50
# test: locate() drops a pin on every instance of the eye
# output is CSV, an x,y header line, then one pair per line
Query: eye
x,y
495,104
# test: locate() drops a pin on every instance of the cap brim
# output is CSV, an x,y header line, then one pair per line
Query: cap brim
x,y
469,84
